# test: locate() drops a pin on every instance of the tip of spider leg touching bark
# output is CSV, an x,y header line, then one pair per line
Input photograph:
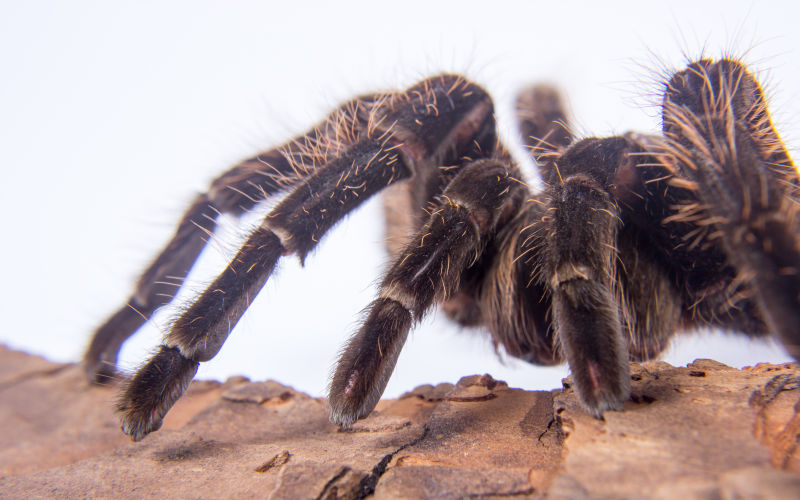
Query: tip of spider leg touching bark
x,y
345,409
599,395
605,401
138,430
367,361
153,391
343,419
345,415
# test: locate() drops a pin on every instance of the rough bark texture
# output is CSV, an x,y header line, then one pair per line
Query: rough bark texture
x,y
703,431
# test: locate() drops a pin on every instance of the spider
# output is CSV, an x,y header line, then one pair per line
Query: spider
x,y
632,239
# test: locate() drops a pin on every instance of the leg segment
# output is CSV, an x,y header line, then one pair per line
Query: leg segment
x,y
544,126
359,150
581,263
294,226
234,192
719,132
427,272
155,288
197,335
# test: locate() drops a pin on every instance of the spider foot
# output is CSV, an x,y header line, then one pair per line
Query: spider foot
x,y
368,361
153,391
603,393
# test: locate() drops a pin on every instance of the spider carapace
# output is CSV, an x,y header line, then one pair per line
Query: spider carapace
x,y
632,239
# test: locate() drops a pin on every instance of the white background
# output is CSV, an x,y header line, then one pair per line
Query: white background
x,y
114,114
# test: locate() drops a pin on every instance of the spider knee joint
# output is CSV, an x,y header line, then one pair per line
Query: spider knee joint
x,y
285,237
397,293
570,272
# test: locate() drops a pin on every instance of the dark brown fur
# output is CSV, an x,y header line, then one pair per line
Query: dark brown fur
x,y
633,238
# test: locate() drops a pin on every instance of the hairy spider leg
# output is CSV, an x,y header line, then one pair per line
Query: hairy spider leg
x,y
367,145
581,255
544,127
155,287
719,131
294,226
234,192
648,304
428,272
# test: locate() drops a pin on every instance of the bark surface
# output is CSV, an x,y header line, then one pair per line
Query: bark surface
x,y
701,431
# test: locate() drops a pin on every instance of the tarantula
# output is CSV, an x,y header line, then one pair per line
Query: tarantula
x,y
633,238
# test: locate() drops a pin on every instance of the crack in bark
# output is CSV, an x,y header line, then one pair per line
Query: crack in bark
x,y
370,481
326,490
778,384
513,493
553,421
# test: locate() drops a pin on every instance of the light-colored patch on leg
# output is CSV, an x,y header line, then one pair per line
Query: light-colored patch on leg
x,y
570,271
400,294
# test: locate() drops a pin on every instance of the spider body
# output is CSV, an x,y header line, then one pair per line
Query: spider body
x,y
633,238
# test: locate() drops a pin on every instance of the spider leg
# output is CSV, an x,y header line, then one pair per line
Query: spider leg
x,y
294,226
234,192
365,146
543,122
153,290
427,272
720,134
581,254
